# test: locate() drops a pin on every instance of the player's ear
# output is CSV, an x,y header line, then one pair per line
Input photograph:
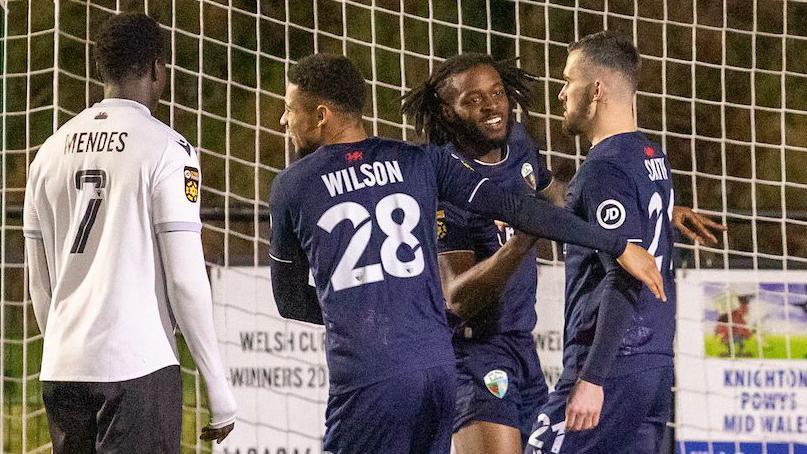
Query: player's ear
x,y
154,71
597,91
323,114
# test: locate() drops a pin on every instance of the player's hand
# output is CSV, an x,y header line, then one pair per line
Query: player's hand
x,y
639,263
210,434
521,241
702,228
584,406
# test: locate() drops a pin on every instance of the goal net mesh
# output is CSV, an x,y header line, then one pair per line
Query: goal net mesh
x,y
721,89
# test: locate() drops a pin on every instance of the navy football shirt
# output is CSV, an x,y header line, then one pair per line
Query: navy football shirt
x,y
624,186
362,216
519,171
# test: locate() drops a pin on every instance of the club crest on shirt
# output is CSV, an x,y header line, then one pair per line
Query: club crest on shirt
x,y
528,174
610,214
496,382
441,224
192,184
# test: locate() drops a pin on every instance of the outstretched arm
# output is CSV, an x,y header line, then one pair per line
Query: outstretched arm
x,y
693,225
461,186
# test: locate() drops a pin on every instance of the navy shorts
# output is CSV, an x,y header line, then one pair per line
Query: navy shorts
x,y
635,410
407,413
499,380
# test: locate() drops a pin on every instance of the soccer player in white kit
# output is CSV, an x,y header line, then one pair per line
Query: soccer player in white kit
x,y
115,256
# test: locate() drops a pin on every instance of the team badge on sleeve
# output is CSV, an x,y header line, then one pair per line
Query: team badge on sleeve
x,y
529,175
192,184
610,214
496,382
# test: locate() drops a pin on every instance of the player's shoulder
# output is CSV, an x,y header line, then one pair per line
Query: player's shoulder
x,y
625,147
602,170
406,148
174,141
519,136
55,141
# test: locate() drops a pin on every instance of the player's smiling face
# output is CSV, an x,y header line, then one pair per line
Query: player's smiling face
x,y
576,96
301,121
479,103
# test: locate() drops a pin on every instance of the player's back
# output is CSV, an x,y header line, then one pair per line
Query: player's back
x,y
625,185
364,215
91,190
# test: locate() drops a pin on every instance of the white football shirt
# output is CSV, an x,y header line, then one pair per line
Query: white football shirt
x,y
98,193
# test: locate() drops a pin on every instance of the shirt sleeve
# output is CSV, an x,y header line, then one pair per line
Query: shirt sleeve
x,y
453,232
521,137
610,200
295,299
175,194
284,246
611,204
30,216
543,176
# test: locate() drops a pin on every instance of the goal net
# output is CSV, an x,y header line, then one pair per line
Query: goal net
x,y
721,90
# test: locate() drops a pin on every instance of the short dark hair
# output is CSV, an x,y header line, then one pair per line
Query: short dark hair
x,y
425,106
611,50
331,78
127,46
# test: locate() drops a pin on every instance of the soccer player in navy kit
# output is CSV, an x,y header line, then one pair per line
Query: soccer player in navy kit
x,y
500,384
614,394
488,273
357,212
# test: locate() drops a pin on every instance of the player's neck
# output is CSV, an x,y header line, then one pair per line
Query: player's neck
x,y
619,119
345,133
492,157
470,150
131,91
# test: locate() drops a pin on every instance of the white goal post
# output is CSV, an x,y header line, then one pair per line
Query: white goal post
x,y
722,91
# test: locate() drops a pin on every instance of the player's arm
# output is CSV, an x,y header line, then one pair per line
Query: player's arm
x,y
693,225
192,305
469,285
461,186
38,274
289,266
175,216
617,293
554,192
38,280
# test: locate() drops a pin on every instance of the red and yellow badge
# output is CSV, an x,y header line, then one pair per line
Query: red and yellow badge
x,y
192,184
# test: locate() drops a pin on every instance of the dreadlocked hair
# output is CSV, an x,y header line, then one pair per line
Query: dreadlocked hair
x,y
425,106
